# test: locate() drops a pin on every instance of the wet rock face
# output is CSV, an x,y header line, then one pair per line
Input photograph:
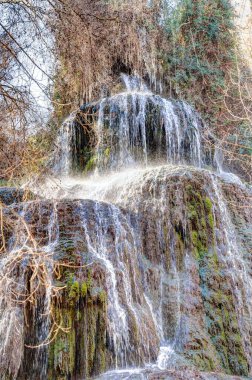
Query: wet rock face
x,y
132,128
239,202
9,195
200,295
84,138
146,128
74,301
167,375
105,284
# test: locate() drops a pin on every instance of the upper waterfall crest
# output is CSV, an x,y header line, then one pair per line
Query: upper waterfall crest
x,y
133,127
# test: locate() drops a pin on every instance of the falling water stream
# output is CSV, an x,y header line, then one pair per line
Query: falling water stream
x,y
133,213
137,127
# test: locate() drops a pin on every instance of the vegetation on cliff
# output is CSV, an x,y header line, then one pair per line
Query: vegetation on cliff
x,y
189,50
146,263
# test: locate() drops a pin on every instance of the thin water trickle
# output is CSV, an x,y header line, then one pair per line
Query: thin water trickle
x,y
63,157
237,268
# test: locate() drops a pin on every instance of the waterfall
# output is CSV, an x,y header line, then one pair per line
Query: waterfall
x,y
125,242
238,268
138,267
156,200
21,286
136,127
62,160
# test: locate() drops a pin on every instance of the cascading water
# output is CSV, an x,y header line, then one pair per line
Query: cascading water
x,y
20,284
124,241
137,127
238,269
63,156
147,271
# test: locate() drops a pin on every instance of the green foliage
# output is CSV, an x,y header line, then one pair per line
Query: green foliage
x,y
74,290
208,204
91,163
102,296
199,34
202,64
84,289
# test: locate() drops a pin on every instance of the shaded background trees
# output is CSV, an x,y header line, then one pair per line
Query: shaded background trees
x,y
204,65
23,82
96,41
191,48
